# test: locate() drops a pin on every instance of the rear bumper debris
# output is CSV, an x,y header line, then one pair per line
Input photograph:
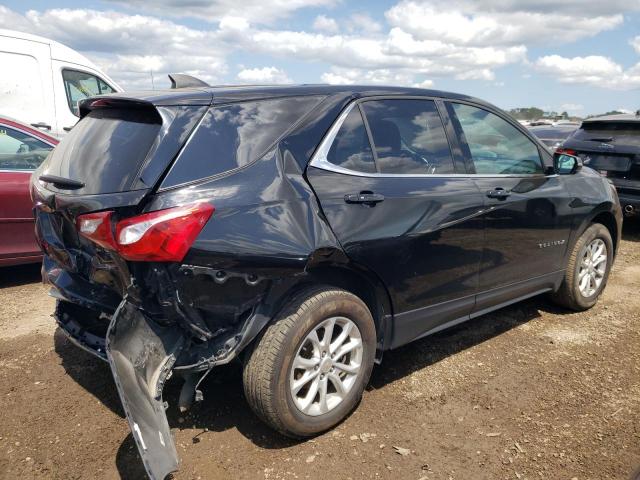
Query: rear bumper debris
x,y
141,354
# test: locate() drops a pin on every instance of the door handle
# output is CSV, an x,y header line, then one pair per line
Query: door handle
x,y
67,129
367,198
41,125
499,193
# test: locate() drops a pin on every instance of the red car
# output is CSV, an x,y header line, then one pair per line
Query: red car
x,y
22,150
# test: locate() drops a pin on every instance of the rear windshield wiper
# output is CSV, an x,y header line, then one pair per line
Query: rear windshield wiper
x,y
61,182
601,139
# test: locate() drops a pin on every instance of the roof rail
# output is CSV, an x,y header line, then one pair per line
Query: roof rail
x,y
182,80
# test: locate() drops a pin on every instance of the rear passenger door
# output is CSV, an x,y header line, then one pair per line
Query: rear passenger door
x,y
401,205
527,214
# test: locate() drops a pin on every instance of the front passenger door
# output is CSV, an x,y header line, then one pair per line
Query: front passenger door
x,y
393,195
527,213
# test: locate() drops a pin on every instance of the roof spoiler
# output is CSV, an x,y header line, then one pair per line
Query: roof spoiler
x,y
181,80
86,105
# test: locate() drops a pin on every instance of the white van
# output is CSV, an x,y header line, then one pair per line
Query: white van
x,y
41,81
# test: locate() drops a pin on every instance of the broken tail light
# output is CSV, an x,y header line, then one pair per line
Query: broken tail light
x,y
97,228
159,236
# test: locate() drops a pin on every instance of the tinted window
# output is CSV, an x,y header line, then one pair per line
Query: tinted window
x,y
20,151
614,133
80,85
234,135
105,149
496,146
350,149
408,137
552,136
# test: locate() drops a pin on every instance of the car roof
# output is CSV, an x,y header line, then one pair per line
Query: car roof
x,y
235,93
622,117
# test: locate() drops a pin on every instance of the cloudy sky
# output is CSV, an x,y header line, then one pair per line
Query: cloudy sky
x,y
582,56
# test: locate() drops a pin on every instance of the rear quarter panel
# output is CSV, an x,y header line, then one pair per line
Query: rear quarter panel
x,y
591,195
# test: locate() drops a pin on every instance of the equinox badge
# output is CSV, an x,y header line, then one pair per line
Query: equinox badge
x,y
552,243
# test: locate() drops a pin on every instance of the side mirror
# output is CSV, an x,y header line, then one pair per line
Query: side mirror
x,y
566,164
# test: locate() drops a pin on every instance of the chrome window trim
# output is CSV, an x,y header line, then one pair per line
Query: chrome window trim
x,y
319,158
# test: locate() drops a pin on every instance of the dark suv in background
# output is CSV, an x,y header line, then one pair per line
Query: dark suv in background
x,y
611,145
303,230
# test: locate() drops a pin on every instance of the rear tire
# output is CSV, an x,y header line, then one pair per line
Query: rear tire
x,y
585,278
290,384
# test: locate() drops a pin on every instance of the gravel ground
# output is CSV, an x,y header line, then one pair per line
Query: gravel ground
x,y
531,391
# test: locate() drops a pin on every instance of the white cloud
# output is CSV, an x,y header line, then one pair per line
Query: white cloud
x,y
471,23
257,11
325,24
593,70
130,48
571,107
363,23
424,84
587,8
263,75
423,41
350,76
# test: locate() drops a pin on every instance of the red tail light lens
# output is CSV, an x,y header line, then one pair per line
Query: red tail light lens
x,y
568,151
163,235
97,228
160,236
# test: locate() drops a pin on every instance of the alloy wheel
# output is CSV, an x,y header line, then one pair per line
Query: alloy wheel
x,y
593,266
326,366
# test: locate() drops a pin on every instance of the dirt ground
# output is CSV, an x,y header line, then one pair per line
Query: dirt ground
x,y
531,391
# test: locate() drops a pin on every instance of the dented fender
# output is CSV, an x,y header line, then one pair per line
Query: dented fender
x,y
141,354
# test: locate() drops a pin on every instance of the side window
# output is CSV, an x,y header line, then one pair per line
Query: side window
x,y
80,85
496,146
19,151
231,136
408,137
350,149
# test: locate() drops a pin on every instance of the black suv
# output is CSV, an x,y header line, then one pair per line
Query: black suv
x,y
303,230
611,145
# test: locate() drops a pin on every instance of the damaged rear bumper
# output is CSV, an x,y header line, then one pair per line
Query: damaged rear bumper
x,y
141,354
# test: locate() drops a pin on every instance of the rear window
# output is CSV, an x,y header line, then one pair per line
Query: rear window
x,y
614,133
105,149
551,133
231,136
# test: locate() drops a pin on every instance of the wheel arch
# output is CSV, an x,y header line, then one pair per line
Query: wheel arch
x,y
346,276
605,214
608,219
366,286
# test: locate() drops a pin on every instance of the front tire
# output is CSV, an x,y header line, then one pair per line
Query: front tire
x,y
587,269
309,369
